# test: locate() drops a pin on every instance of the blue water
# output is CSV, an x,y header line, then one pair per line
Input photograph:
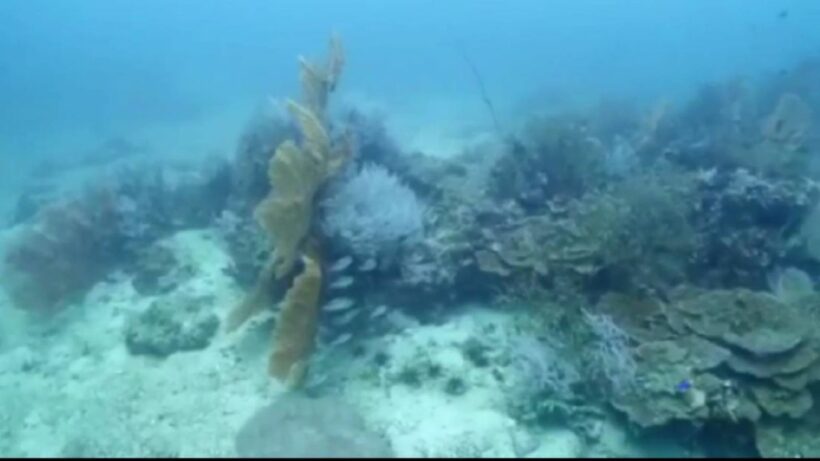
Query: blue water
x,y
102,63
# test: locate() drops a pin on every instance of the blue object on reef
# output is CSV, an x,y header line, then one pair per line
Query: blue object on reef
x,y
684,385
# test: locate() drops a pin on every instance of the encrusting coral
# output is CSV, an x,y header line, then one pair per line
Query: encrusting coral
x,y
296,174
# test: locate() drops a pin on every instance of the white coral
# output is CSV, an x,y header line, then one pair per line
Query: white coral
x,y
372,212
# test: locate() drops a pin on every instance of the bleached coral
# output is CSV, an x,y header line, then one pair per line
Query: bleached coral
x,y
542,367
373,212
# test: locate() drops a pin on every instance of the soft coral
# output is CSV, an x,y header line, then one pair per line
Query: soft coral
x,y
63,252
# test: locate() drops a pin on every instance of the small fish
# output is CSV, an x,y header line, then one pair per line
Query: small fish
x,y
341,264
378,312
684,386
342,339
368,265
342,283
338,304
343,320
783,14
401,321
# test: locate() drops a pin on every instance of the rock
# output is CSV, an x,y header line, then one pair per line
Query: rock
x,y
489,262
524,442
455,387
296,426
174,323
154,270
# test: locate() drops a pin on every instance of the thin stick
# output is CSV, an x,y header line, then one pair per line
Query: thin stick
x,y
483,89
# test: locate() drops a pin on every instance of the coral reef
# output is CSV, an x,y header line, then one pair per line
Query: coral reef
x,y
728,355
667,258
746,224
559,157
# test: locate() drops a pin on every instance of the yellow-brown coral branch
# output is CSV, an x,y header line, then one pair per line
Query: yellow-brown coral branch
x,y
258,299
296,173
296,329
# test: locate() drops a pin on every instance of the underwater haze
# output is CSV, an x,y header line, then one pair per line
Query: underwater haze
x,y
410,228
93,68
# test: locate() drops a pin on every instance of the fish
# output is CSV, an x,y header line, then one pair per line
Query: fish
x,y
378,311
342,283
346,318
341,264
368,265
342,339
684,386
338,304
